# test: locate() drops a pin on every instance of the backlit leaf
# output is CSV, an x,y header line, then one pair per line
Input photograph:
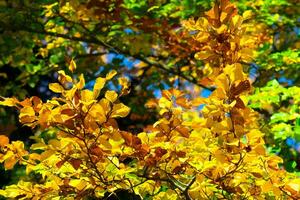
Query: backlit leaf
x,y
99,84
120,110
56,87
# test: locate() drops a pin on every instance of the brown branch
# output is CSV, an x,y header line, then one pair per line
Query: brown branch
x,y
95,40
186,192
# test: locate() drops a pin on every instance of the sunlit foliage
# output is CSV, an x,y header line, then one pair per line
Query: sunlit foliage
x,y
196,148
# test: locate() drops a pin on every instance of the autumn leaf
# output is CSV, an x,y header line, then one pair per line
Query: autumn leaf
x,y
184,131
111,74
99,84
239,87
27,115
72,66
8,101
111,96
81,82
10,162
75,163
56,87
120,110
203,55
63,78
131,140
3,140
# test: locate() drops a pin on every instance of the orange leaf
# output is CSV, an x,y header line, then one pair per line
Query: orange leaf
x,y
10,162
183,131
3,140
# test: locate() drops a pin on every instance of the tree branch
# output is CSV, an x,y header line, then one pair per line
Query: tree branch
x,y
95,40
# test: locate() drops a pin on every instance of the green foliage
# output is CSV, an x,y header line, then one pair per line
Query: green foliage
x,y
280,109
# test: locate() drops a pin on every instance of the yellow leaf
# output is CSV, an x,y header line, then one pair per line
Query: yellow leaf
x,y
293,187
223,83
27,115
56,87
247,14
63,78
105,144
86,97
70,93
220,156
273,162
223,16
98,113
3,193
120,110
111,74
81,82
111,96
72,66
202,37
105,105
236,21
235,72
267,187
222,29
164,103
26,111
203,55
78,184
198,101
125,85
99,84
260,149
40,145
18,147
8,101
247,54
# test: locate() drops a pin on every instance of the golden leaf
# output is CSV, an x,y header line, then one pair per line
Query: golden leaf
x,y
81,82
72,66
268,186
87,98
125,85
99,84
247,14
221,29
105,105
111,74
203,55
27,111
56,87
120,110
293,186
111,96
202,37
63,78
98,113
8,101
